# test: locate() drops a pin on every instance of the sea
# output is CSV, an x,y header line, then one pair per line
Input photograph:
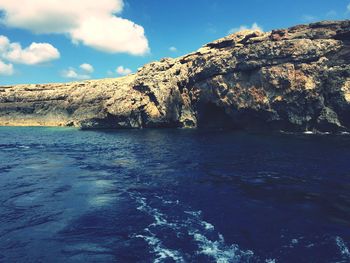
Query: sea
x,y
173,195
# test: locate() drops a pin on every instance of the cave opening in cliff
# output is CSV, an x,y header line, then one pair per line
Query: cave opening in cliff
x,y
211,115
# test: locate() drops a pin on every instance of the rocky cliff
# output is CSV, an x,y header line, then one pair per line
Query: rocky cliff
x,y
292,79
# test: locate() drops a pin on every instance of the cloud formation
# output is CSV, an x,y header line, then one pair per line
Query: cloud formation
x,y
90,22
123,71
254,26
6,69
173,49
36,53
348,7
87,67
84,72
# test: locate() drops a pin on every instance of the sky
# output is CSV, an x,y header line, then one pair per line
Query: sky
x,y
45,41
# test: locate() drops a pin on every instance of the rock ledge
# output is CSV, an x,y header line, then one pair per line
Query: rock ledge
x,y
293,79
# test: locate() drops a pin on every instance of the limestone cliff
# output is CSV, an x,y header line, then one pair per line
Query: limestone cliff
x,y
293,79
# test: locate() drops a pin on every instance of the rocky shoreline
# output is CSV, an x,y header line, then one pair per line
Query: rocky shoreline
x,y
295,79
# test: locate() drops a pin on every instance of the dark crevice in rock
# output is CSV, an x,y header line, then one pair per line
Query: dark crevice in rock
x,y
210,115
344,36
146,90
110,121
142,88
153,98
221,44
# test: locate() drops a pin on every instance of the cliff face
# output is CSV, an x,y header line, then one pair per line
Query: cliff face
x,y
293,79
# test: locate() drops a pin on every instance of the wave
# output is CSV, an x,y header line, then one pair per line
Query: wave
x,y
216,248
159,249
344,250
207,242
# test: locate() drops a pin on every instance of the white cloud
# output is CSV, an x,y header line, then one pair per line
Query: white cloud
x,y
112,34
173,49
254,26
34,54
90,22
348,7
72,73
87,68
6,69
123,71
4,43
55,16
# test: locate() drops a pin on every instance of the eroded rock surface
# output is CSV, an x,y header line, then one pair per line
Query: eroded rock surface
x,y
293,79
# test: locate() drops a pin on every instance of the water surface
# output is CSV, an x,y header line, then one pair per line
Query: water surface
x,y
173,196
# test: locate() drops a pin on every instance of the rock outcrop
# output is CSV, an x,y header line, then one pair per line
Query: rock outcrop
x,y
293,79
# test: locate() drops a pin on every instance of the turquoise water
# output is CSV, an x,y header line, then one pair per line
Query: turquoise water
x,y
173,196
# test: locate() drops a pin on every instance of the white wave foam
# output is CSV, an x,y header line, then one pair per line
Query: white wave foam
x,y
159,249
192,224
194,213
167,202
344,250
207,225
160,218
162,252
23,147
309,132
197,216
218,250
295,241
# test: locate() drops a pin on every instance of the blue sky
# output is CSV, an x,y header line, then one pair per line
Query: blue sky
x,y
49,41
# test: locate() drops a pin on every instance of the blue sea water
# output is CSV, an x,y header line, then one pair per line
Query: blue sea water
x,y
173,196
